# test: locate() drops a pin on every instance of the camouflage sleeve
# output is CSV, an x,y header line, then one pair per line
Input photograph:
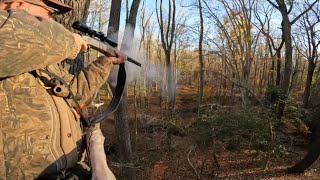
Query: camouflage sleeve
x,y
28,43
88,81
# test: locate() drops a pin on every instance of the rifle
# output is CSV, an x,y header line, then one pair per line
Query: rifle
x,y
99,41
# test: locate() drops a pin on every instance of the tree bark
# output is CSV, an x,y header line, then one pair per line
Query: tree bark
x,y
278,77
295,73
288,53
201,65
167,37
114,20
312,56
121,115
130,26
307,90
312,155
170,84
284,85
79,13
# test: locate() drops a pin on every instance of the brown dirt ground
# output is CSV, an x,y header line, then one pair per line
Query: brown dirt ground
x,y
156,161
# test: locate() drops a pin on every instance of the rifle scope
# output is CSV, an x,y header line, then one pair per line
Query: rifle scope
x,y
87,30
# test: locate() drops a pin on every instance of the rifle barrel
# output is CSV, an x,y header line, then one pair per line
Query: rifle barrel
x,y
133,61
106,48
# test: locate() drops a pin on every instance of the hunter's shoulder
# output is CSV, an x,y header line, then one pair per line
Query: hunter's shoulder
x,y
13,14
23,18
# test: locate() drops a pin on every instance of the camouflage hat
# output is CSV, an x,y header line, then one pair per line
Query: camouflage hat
x,y
63,8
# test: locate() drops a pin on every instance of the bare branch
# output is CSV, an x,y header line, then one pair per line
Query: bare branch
x,y
194,169
305,11
274,5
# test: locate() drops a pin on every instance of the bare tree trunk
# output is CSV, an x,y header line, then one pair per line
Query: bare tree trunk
x,y
121,123
201,65
286,32
295,73
170,84
312,155
312,56
114,20
288,54
306,94
130,26
272,68
159,53
167,37
278,78
121,115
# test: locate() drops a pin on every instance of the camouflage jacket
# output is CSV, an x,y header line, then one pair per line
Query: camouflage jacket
x,y
40,134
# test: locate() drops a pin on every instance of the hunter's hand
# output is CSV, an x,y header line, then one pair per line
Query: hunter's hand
x,y
81,43
119,59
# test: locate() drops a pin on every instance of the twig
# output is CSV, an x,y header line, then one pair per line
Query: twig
x,y
129,165
293,152
194,169
154,149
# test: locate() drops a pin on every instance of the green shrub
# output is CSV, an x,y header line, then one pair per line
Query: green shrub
x,y
273,93
293,109
245,127
203,134
280,151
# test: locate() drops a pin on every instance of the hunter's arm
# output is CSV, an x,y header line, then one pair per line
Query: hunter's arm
x,y
28,43
89,80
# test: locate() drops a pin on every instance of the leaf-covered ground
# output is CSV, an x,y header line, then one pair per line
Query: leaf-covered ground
x,y
194,155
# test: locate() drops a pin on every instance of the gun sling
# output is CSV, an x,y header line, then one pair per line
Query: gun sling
x,y
115,101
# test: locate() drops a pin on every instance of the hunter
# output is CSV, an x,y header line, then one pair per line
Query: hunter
x,y
40,131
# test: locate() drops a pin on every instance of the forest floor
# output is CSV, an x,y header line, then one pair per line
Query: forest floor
x,y
158,155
